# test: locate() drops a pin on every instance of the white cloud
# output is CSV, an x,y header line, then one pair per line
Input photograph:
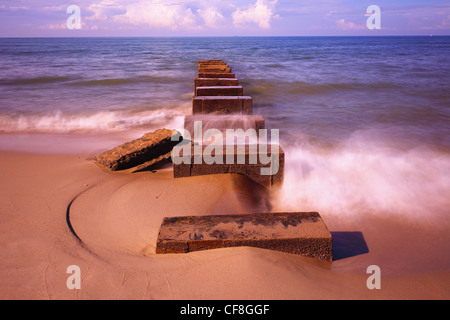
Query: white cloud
x,y
348,25
212,17
105,9
158,14
261,13
172,15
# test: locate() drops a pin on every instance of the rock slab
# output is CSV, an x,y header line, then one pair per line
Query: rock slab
x,y
147,150
302,233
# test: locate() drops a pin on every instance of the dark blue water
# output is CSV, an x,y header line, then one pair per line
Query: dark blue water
x,y
322,87
364,121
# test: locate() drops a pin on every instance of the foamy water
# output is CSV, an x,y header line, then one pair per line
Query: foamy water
x,y
106,121
364,177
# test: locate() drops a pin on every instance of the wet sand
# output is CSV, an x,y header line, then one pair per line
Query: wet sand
x,y
62,210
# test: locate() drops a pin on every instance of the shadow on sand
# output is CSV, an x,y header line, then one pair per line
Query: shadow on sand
x,y
348,244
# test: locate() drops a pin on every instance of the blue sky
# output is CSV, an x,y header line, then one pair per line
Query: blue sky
x,y
30,18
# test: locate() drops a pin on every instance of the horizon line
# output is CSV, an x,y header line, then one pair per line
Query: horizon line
x,y
253,36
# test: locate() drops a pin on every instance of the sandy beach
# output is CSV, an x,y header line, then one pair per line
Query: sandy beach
x,y
63,210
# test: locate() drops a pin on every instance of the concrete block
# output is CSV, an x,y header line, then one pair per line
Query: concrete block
x,y
301,233
220,91
212,66
222,105
215,69
216,75
211,61
222,123
214,82
243,159
151,149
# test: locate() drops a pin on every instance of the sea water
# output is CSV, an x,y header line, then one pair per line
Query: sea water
x,y
364,121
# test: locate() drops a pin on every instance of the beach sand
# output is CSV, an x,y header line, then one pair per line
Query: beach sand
x,y
63,210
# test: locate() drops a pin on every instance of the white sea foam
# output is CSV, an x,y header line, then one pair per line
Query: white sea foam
x,y
364,176
103,121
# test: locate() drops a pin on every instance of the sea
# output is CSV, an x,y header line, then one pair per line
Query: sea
x,y
364,121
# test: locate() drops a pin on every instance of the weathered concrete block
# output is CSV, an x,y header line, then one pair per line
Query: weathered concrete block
x,y
215,69
220,91
150,149
215,82
222,123
216,75
302,233
211,61
247,159
222,105
148,165
212,66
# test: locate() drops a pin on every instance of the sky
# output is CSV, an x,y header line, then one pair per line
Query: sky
x,y
106,18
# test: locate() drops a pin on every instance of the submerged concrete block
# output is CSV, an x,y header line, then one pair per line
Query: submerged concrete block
x,y
222,105
220,91
263,166
216,75
214,82
222,123
302,233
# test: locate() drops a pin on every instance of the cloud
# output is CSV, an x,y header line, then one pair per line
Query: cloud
x,y
348,25
261,13
443,24
158,14
55,26
14,8
105,10
212,17
61,8
171,15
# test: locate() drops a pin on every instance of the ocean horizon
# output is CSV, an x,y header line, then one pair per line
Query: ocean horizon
x,y
43,77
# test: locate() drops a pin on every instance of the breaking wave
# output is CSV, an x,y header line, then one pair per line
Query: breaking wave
x,y
363,176
106,121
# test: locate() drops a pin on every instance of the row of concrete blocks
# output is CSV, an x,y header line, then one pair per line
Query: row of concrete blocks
x,y
219,103
217,91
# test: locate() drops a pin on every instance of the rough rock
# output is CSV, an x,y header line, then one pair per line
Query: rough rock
x,y
302,233
144,152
